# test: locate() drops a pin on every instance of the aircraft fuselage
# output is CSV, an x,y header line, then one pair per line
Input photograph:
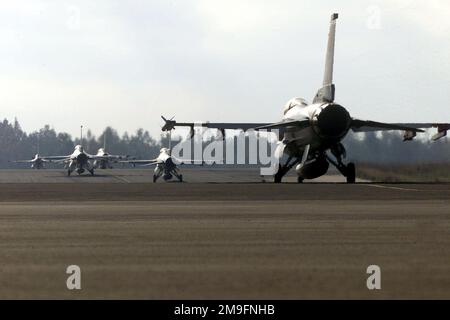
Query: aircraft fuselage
x,y
37,163
330,123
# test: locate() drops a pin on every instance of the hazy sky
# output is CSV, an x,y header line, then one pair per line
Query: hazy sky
x,y
124,63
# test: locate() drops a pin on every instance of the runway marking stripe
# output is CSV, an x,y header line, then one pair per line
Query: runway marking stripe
x,y
122,179
388,187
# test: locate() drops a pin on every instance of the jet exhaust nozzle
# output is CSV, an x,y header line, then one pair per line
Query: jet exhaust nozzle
x,y
333,121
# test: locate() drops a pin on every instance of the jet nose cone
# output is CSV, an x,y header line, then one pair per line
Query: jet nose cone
x,y
333,121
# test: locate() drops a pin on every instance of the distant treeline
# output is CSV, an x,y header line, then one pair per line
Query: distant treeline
x,y
370,148
16,144
389,148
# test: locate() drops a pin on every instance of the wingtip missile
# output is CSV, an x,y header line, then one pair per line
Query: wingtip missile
x,y
442,132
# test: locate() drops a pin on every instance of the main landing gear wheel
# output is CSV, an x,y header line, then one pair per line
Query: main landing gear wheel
x,y
348,171
278,176
351,173
299,179
154,179
180,178
68,173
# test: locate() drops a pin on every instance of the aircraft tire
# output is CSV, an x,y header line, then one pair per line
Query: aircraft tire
x,y
277,179
351,173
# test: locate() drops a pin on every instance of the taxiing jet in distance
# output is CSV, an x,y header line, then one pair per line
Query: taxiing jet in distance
x,y
36,163
165,165
106,160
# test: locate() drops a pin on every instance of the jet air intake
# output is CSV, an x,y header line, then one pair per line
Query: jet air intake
x,y
333,121
82,158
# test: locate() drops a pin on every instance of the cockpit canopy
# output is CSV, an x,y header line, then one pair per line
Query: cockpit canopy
x,y
79,148
294,102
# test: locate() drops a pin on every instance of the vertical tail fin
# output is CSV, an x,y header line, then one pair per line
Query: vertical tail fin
x,y
328,75
326,93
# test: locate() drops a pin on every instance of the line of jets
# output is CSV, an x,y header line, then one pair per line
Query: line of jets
x,y
80,161
310,136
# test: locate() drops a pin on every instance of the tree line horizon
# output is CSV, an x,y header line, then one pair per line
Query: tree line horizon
x,y
387,147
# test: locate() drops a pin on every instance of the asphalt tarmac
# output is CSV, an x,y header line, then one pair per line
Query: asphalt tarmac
x,y
197,174
229,236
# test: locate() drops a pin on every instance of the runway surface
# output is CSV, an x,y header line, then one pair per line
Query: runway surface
x,y
223,240
197,174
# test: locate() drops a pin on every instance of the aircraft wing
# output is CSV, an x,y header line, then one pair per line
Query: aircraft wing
x,y
367,125
95,157
55,158
117,157
64,160
410,128
171,124
192,161
440,126
214,125
149,162
140,161
285,124
29,161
